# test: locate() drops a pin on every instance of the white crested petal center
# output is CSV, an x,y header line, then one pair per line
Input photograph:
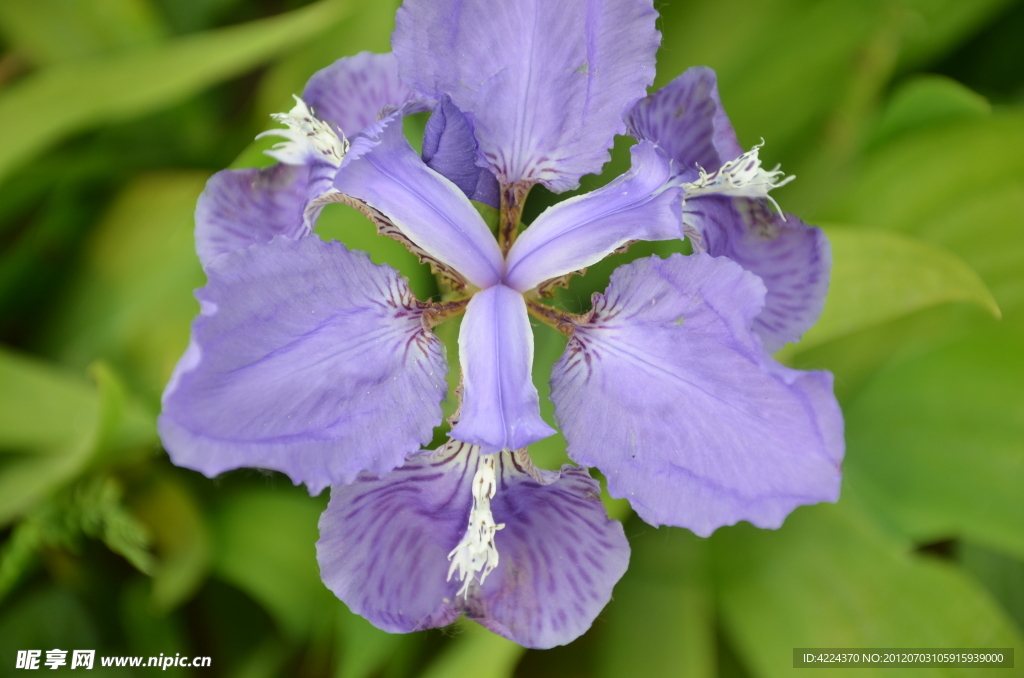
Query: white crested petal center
x,y
476,555
743,177
306,138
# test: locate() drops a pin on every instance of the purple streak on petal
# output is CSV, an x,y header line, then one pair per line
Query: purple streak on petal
x,y
450,149
350,93
384,171
307,359
560,555
686,119
583,230
793,259
384,542
668,391
384,545
500,407
241,207
545,83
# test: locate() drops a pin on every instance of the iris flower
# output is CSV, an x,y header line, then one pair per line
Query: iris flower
x,y
309,359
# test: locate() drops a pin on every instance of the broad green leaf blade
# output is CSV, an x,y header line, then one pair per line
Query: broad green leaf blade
x,y
661,621
878,276
936,26
476,653
51,31
364,649
828,578
132,304
936,444
987,230
917,179
41,405
927,101
57,101
265,546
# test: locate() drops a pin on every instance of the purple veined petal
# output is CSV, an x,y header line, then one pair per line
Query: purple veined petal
x,y
583,230
500,407
668,391
239,208
351,93
546,84
306,359
685,118
382,170
385,543
450,149
559,555
793,260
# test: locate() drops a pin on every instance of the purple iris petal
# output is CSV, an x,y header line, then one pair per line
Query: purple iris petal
x,y
350,93
793,259
583,230
560,555
384,171
384,545
500,408
545,83
686,118
668,391
450,149
241,207
307,359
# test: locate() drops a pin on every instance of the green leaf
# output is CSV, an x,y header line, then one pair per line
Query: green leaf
x,y
910,183
132,303
476,653
935,26
782,64
987,230
926,101
368,27
265,546
828,578
661,620
41,405
51,31
878,276
60,100
53,425
1002,575
365,649
181,540
936,443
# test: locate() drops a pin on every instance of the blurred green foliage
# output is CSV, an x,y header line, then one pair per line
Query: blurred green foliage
x,y
904,121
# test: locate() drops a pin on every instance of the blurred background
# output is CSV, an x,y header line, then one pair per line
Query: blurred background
x,y
904,123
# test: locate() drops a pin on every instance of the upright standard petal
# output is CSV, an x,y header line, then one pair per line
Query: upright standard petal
x,y
580,231
546,84
351,93
241,207
793,260
450,149
385,545
385,172
500,407
686,119
667,390
306,359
